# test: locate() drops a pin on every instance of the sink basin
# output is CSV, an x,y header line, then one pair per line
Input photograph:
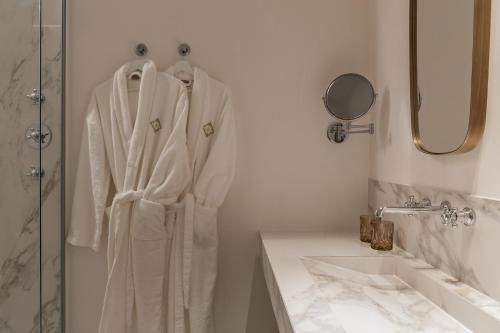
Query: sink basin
x,y
393,293
333,283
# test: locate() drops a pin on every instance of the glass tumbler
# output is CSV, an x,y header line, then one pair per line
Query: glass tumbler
x,y
365,228
383,233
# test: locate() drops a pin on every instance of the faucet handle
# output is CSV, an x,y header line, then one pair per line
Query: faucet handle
x,y
447,214
445,218
454,216
411,201
467,216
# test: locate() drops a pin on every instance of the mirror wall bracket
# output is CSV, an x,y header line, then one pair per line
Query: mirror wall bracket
x,y
338,132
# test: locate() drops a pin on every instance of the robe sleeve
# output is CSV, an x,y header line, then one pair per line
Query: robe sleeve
x,y
92,184
218,172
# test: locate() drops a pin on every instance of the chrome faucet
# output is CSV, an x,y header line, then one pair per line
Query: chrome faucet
x,y
449,215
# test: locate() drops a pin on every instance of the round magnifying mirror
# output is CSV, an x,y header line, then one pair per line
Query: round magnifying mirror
x,y
349,97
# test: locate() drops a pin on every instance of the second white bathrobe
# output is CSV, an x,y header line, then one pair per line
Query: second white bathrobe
x,y
147,162
212,149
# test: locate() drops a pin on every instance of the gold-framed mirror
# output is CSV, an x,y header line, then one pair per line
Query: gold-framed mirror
x,y
449,63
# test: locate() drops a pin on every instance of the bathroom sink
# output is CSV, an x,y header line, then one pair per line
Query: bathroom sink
x,y
392,293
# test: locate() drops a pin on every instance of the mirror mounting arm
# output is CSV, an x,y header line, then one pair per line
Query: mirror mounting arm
x,y
370,128
338,132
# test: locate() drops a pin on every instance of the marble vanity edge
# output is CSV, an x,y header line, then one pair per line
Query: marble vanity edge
x,y
279,308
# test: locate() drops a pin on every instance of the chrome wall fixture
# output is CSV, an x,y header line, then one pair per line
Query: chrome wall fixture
x,y
348,97
36,96
141,49
35,172
184,50
450,216
338,132
38,136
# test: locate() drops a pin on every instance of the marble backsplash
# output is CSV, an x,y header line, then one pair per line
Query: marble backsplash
x,y
469,254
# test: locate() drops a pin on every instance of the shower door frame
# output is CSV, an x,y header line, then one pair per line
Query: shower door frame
x,y
59,131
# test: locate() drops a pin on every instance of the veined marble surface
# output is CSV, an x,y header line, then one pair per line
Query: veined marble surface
x,y
382,301
30,231
313,291
469,254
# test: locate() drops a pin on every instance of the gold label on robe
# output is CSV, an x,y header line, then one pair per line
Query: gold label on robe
x,y
156,125
208,129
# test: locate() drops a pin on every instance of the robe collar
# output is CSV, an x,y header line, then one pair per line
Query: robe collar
x,y
133,134
197,104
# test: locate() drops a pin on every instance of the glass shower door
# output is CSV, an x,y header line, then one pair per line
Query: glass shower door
x,y
30,165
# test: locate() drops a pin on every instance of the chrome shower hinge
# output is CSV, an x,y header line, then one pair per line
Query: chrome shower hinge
x,y
35,172
36,96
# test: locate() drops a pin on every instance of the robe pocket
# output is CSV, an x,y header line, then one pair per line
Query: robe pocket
x,y
149,240
149,221
205,226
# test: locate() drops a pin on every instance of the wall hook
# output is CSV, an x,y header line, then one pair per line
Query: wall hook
x,y
184,50
141,49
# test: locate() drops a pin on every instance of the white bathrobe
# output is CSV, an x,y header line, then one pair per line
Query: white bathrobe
x,y
147,163
212,150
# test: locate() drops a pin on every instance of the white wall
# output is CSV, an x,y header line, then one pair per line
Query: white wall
x,y
393,155
278,57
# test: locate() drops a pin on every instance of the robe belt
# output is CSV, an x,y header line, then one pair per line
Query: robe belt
x,y
128,196
119,199
188,205
188,247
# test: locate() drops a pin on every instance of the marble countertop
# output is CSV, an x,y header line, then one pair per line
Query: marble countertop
x,y
309,294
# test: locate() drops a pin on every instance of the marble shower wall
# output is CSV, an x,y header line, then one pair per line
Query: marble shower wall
x,y
469,254
30,228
